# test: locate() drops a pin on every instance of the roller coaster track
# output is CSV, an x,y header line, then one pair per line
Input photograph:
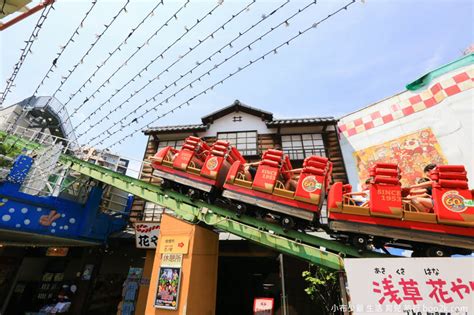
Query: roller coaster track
x,y
311,248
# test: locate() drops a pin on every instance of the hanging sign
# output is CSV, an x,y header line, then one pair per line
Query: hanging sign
x,y
263,306
177,244
411,285
146,234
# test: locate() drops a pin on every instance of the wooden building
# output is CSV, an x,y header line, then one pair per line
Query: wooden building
x,y
253,131
247,270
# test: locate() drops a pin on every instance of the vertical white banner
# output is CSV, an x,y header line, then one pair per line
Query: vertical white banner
x,y
420,286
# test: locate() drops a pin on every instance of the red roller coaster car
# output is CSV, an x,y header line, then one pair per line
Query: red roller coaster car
x,y
295,197
390,218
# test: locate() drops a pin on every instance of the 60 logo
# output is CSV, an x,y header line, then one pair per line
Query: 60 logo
x,y
310,184
453,201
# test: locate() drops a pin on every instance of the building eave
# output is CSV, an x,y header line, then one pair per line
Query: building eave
x,y
300,122
237,106
175,129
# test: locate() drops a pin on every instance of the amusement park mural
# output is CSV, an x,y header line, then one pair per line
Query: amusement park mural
x,y
411,152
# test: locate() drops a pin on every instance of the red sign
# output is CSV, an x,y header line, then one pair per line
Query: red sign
x,y
57,251
263,306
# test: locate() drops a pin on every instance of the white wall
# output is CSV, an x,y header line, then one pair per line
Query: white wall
x,y
226,124
451,121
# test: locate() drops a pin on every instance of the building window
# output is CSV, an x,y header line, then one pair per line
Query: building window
x,y
153,212
177,144
245,141
298,147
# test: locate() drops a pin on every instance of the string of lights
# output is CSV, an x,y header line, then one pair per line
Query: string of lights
x,y
200,42
221,81
25,51
64,79
63,48
146,42
161,55
205,73
110,54
198,64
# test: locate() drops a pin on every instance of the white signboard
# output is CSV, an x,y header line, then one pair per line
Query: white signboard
x,y
146,234
419,286
263,306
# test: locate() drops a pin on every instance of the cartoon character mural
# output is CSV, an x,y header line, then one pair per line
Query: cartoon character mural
x,y
411,152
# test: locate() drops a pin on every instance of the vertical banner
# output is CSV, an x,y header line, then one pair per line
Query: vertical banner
x,y
263,306
418,286
169,280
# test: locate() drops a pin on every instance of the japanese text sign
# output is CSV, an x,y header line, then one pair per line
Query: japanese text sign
x,y
146,234
263,306
177,244
411,285
171,260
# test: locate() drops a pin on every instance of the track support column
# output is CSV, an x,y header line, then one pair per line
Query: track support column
x,y
198,283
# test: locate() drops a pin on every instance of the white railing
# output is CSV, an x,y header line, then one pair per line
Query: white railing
x,y
59,179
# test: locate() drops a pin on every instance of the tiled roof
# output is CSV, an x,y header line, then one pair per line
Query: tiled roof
x,y
180,128
300,121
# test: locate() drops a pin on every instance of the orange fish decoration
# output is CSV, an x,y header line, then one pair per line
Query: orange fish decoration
x,y
47,220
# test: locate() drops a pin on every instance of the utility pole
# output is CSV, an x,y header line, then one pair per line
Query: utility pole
x,y
284,301
342,287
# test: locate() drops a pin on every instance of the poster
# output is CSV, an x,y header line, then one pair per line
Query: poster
x,y
87,273
167,293
418,286
146,234
411,152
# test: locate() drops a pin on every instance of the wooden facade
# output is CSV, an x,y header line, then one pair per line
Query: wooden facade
x,y
268,137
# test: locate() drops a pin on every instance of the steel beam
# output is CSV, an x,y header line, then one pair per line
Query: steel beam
x,y
299,244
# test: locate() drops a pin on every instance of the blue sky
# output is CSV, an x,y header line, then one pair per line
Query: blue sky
x,y
358,57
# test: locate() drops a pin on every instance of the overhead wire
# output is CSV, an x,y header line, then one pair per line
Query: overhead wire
x,y
181,57
205,73
110,54
63,48
146,42
64,79
198,64
161,55
25,51
221,81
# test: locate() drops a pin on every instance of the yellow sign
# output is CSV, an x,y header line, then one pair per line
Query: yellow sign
x,y
174,244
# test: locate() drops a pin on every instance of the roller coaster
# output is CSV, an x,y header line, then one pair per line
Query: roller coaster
x,y
266,208
296,197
